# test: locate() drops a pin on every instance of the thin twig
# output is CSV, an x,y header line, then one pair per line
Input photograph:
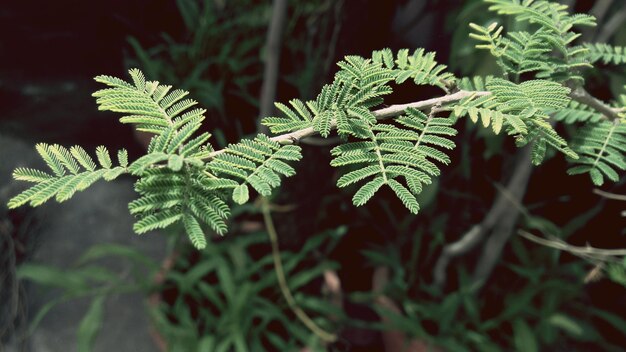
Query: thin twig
x,y
511,197
498,220
612,25
586,251
608,195
582,96
272,61
598,11
282,280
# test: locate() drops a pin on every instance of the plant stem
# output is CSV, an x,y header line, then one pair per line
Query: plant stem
x,y
576,250
282,280
582,96
609,195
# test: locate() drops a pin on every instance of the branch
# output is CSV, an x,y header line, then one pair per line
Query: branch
x,y
587,251
582,96
499,218
272,60
381,114
598,11
609,195
612,25
512,197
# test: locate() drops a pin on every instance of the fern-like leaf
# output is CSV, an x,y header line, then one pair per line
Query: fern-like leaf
x,y
73,170
391,153
608,54
602,149
522,52
188,195
576,112
258,163
547,14
420,66
151,107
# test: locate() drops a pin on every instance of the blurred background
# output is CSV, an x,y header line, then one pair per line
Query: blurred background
x,y
75,277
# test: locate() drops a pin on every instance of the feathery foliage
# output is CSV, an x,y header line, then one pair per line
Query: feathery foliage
x,y
602,149
73,170
606,53
389,153
187,195
152,107
521,109
259,163
357,87
576,112
421,67
530,101
521,52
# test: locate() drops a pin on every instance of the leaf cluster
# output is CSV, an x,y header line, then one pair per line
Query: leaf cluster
x,y
387,154
72,170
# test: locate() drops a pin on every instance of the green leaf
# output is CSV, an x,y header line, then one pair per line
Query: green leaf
x,y
50,159
175,162
83,158
158,220
122,157
46,275
241,194
523,337
365,193
140,165
566,324
90,325
103,157
194,231
408,199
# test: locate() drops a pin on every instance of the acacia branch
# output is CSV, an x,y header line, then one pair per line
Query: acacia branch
x,y
579,94
381,114
582,96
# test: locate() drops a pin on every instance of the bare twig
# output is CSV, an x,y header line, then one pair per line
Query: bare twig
x,y
272,61
608,195
467,242
499,221
582,96
513,193
587,251
598,11
322,142
612,25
